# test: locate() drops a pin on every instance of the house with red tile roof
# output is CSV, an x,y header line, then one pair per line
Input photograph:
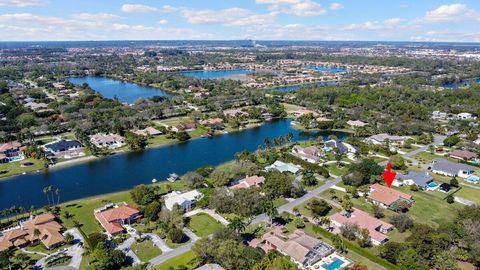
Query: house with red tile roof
x,y
249,181
43,228
376,227
388,197
113,217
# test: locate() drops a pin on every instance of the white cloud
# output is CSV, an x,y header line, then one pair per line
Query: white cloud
x,y
163,22
449,13
95,16
374,25
21,3
138,8
303,8
29,18
229,16
336,6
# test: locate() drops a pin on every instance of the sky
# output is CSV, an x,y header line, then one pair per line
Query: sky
x,y
376,20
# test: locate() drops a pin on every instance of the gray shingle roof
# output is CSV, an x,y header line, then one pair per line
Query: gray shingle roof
x,y
440,164
421,179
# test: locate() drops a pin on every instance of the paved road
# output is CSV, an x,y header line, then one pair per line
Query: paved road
x,y
288,207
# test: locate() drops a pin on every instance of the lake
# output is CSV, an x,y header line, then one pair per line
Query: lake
x,y
124,91
289,88
460,84
215,74
124,171
327,69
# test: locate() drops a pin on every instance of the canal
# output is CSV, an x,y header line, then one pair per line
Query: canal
x,y
124,171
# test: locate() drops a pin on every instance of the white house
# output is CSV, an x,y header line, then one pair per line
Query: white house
x,y
284,167
448,168
310,154
464,116
439,115
185,200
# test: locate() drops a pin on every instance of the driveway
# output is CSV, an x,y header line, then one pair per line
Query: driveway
x,y
125,247
158,242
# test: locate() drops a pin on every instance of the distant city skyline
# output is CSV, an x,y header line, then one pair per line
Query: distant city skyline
x,y
370,20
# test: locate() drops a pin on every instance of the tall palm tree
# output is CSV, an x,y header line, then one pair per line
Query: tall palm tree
x,y
289,137
57,192
266,141
237,225
270,210
45,191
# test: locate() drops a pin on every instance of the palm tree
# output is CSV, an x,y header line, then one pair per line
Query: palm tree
x,y
45,191
289,137
266,141
347,205
57,192
338,243
36,232
270,210
237,225
338,157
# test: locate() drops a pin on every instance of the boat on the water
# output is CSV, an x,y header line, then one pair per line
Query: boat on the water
x,y
154,180
173,177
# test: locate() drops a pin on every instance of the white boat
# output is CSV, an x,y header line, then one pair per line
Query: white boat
x,y
154,180
173,177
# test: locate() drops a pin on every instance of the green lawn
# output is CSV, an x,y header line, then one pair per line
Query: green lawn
x,y
427,157
279,202
337,170
176,120
187,259
146,250
469,192
203,224
82,210
39,247
14,168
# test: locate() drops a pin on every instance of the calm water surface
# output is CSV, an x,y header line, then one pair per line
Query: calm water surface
x,y
327,69
124,91
215,74
460,84
123,171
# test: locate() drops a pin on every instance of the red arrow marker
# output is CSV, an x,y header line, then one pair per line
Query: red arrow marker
x,y
389,175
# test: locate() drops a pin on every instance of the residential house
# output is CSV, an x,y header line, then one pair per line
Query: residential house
x,y
49,233
448,168
421,180
439,115
210,266
234,112
380,139
10,151
356,123
311,154
340,146
113,217
376,227
388,197
464,116
62,146
284,167
185,127
101,140
186,200
148,132
213,122
463,154
302,248
249,181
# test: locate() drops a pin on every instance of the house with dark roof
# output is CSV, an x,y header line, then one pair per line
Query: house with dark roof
x,y
463,154
9,151
421,180
340,146
448,168
62,146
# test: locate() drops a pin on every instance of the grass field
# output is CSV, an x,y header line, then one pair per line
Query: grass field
x,y
14,168
146,250
203,224
82,210
187,259
279,202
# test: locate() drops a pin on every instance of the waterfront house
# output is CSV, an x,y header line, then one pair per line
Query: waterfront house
x,y
448,168
186,200
310,154
420,179
249,181
49,233
356,123
10,151
62,146
184,127
212,122
284,167
463,154
113,217
303,249
381,139
377,228
101,140
340,146
388,197
148,132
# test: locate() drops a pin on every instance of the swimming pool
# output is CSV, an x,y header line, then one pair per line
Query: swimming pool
x,y
473,179
432,185
335,265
